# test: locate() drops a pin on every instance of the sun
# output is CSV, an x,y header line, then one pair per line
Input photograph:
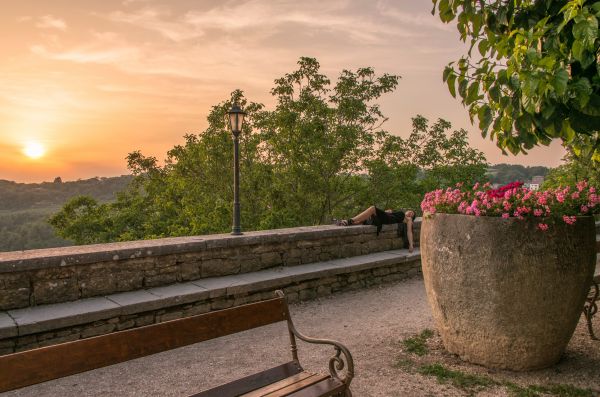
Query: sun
x,y
34,150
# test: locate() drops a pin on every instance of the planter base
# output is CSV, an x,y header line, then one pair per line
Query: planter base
x,y
504,294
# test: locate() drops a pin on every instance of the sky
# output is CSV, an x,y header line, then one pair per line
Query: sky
x,y
90,81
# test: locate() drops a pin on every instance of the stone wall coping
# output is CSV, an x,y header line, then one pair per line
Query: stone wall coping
x,y
37,319
17,261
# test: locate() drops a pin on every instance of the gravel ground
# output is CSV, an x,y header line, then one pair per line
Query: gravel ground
x,y
372,323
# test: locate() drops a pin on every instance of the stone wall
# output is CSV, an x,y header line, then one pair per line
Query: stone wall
x,y
38,277
295,290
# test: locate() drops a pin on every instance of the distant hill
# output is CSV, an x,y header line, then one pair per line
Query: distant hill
x,y
21,196
25,207
506,173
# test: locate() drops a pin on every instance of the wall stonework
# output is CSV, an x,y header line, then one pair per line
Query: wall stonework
x,y
38,277
295,291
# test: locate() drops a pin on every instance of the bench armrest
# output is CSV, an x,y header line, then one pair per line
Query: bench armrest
x,y
340,361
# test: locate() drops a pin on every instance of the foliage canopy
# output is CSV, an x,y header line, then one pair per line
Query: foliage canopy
x,y
320,153
532,73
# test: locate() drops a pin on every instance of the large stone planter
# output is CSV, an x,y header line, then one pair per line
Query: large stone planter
x,y
504,294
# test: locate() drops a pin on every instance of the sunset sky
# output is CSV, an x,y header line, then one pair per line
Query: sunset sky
x,y
85,82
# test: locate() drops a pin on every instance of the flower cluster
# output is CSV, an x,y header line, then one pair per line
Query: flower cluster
x,y
515,201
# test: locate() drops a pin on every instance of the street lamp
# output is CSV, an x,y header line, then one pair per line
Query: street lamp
x,y
236,120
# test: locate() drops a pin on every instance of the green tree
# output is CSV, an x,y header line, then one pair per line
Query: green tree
x,y
574,169
319,138
532,73
320,153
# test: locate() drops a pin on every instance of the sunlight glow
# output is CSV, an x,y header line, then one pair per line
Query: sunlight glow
x,y
34,150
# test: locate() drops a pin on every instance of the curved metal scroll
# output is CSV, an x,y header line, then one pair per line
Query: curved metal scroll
x,y
340,361
591,308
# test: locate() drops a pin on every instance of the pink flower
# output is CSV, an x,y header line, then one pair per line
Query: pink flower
x,y
575,195
538,212
506,215
582,185
560,197
584,209
569,220
543,227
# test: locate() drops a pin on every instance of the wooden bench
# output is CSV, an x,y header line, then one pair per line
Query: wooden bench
x,y
290,379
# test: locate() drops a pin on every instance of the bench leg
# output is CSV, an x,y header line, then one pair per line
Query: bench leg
x,y
591,308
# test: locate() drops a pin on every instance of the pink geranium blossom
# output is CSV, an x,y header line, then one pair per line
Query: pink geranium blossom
x,y
513,200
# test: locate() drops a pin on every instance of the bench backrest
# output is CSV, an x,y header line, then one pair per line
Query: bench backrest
x,y
40,365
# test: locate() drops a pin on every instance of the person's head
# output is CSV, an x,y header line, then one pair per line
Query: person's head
x,y
410,214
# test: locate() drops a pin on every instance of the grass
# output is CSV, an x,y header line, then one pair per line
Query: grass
x,y
418,344
473,383
459,379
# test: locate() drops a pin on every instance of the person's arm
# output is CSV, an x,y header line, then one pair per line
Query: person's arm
x,y
409,232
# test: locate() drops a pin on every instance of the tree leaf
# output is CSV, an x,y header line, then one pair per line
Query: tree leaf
x,y
485,118
451,81
560,80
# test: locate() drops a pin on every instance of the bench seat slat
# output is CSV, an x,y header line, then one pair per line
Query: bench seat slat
x,y
46,363
265,391
253,382
326,388
295,386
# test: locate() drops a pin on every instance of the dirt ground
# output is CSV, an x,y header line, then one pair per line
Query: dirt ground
x,y
372,323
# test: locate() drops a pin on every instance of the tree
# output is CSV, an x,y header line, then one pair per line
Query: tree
x,y
536,74
574,169
445,158
319,138
321,153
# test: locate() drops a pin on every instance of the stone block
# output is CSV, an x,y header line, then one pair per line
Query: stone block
x,y
129,281
55,290
250,264
160,279
269,259
165,261
59,339
221,303
179,293
97,330
14,281
133,302
14,298
8,343
307,294
292,297
323,290
61,315
190,270
8,327
197,309
219,267
217,286
145,319
174,315
98,283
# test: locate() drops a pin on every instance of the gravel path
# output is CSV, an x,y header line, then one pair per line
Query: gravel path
x,y
371,322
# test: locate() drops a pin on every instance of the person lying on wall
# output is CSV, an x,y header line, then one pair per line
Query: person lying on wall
x,y
378,217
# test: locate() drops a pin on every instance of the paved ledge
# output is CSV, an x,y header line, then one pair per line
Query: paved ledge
x,y
85,254
39,319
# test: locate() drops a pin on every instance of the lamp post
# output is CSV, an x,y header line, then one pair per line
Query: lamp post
x,y
236,120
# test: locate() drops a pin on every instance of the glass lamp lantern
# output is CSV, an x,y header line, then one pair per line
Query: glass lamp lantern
x,y
236,119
